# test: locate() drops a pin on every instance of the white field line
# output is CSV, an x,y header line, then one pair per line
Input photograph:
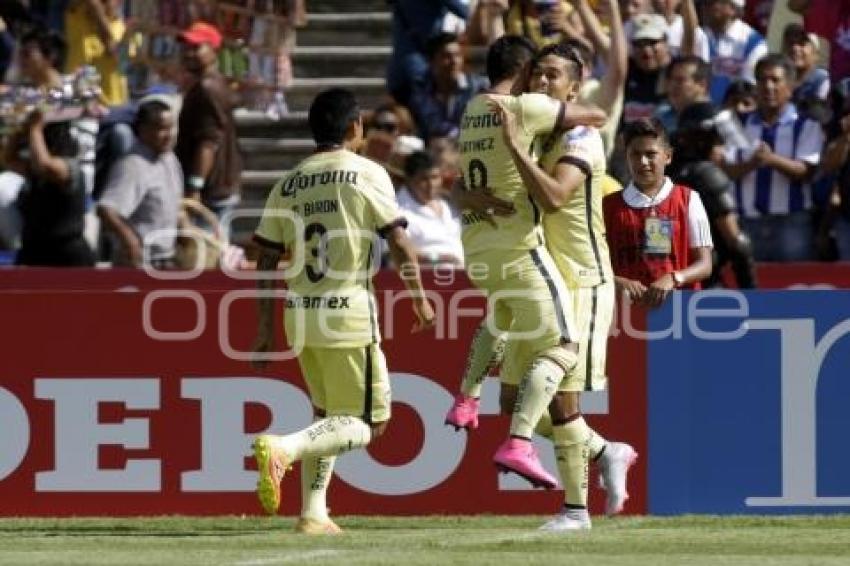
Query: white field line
x,y
288,558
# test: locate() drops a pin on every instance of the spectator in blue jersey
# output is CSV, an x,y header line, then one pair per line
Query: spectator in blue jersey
x,y
438,101
733,45
773,181
414,23
812,86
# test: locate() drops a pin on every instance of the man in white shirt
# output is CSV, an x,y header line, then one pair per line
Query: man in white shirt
x,y
432,225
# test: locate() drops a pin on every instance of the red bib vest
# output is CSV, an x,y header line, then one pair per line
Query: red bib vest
x,y
625,233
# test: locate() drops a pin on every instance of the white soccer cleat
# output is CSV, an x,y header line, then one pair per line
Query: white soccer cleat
x,y
614,467
569,520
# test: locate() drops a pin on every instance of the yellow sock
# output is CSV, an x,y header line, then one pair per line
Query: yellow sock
x,y
544,426
326,437
315,477
571,455
534,395
485,353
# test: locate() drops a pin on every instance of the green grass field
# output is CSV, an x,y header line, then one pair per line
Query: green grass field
x,y
487,540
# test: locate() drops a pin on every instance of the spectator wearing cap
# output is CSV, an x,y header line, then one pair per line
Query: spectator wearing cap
x,y
773,181
687,81
678,16
206,142
649,59
437,103
734,47
812,85
830,20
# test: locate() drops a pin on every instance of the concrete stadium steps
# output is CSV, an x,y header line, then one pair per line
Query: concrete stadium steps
x,y
256,124
334,61
264,154
342,6
350,28
370,91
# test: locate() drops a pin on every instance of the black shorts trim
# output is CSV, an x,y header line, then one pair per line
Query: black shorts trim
x,y
588,375
556,298
368,379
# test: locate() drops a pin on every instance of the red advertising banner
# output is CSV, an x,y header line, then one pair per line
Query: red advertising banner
x,y
142,402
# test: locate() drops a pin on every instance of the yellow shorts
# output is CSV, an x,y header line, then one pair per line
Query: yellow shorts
x,y
594,312
348,381
527,300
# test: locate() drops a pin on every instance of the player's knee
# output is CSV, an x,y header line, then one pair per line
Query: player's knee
x,y
565,355
507,399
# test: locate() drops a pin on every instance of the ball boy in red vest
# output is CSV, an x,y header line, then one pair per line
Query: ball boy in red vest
x,y
658,233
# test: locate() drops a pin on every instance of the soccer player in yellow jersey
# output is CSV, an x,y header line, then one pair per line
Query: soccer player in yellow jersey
x,y
506,256
324,216
568,187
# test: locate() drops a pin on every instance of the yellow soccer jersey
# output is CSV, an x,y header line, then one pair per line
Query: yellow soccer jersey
x,y
575,233
326,213
486,162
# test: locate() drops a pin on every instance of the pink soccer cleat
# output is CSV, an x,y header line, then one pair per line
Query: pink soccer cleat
x,y
519,456
463,413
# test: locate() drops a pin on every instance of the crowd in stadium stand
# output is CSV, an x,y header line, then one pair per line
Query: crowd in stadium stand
x,y
771,77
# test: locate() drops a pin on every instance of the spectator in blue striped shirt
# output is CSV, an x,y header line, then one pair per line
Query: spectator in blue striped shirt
x,y
772,180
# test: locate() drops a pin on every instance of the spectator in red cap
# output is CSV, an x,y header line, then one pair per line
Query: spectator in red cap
x,y
206,144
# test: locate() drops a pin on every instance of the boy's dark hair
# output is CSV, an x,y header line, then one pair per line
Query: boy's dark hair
x,y
148,113
567,52
507,57
437,42
330,114
739,87
773,60
417,162
51,44
701,72
645,127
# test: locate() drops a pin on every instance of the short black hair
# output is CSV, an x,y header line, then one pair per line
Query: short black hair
x,y
566,52
774,60
738,88
436,43
507,57
149,112
330,114
645,128
417,162
702,70
52,45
